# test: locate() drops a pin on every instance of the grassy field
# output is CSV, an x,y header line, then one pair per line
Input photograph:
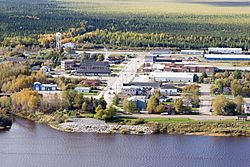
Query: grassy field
x,y
197,11
160,6
168,120
167,15
190,126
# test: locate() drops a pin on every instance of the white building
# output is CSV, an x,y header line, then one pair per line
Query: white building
x,y
67,64
168,90
160,53
69,45
45,87
225,50
83,89
139,88
172,76
159,67
192,52
129,90
229,57
141,78
247,108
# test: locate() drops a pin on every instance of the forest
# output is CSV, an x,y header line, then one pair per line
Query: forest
x,y
130,23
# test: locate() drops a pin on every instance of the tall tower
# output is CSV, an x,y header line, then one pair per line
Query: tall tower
x,y
58,41
106,54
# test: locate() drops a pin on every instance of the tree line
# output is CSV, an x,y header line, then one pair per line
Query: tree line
x,y
31,23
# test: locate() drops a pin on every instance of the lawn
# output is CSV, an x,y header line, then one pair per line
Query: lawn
x,y
169,120
86,115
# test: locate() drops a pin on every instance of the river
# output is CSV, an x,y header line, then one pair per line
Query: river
x,y
28,144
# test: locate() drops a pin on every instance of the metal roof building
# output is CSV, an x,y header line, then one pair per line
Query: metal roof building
x,y
93,68
160,52
192,52
225,50
172,76
229,57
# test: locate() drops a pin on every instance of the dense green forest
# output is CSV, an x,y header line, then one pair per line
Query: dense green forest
x,y
129,23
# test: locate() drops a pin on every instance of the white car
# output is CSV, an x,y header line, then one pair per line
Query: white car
x,y
164,113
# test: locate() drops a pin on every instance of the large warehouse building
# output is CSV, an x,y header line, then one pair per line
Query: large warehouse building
x,y
192,52
172,76
229,57
225,50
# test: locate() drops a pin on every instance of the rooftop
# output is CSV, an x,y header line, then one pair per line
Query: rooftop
x,y
234,68
172,74
49,85
68,60
227,56
133,98
158,66
141,78
193,51
216,48
160,51
94,63
93,71
82,88
167,86
198,65
149,84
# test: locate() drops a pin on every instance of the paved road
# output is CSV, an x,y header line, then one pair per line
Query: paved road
x,y
126,75
194,117
205,99
111,52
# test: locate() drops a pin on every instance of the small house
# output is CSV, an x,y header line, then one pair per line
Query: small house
x,y
247,108
68,64
90,82
83,89
45,87
116,59
45,70
35,68
69,45
227,90
140,102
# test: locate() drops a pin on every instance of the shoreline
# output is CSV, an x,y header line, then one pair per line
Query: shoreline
x,y
216,129
90,125
197,128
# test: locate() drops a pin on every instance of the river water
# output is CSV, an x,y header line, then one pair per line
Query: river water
x,y
28,144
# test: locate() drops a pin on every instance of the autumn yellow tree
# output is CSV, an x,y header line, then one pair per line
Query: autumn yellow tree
x,y
26,100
